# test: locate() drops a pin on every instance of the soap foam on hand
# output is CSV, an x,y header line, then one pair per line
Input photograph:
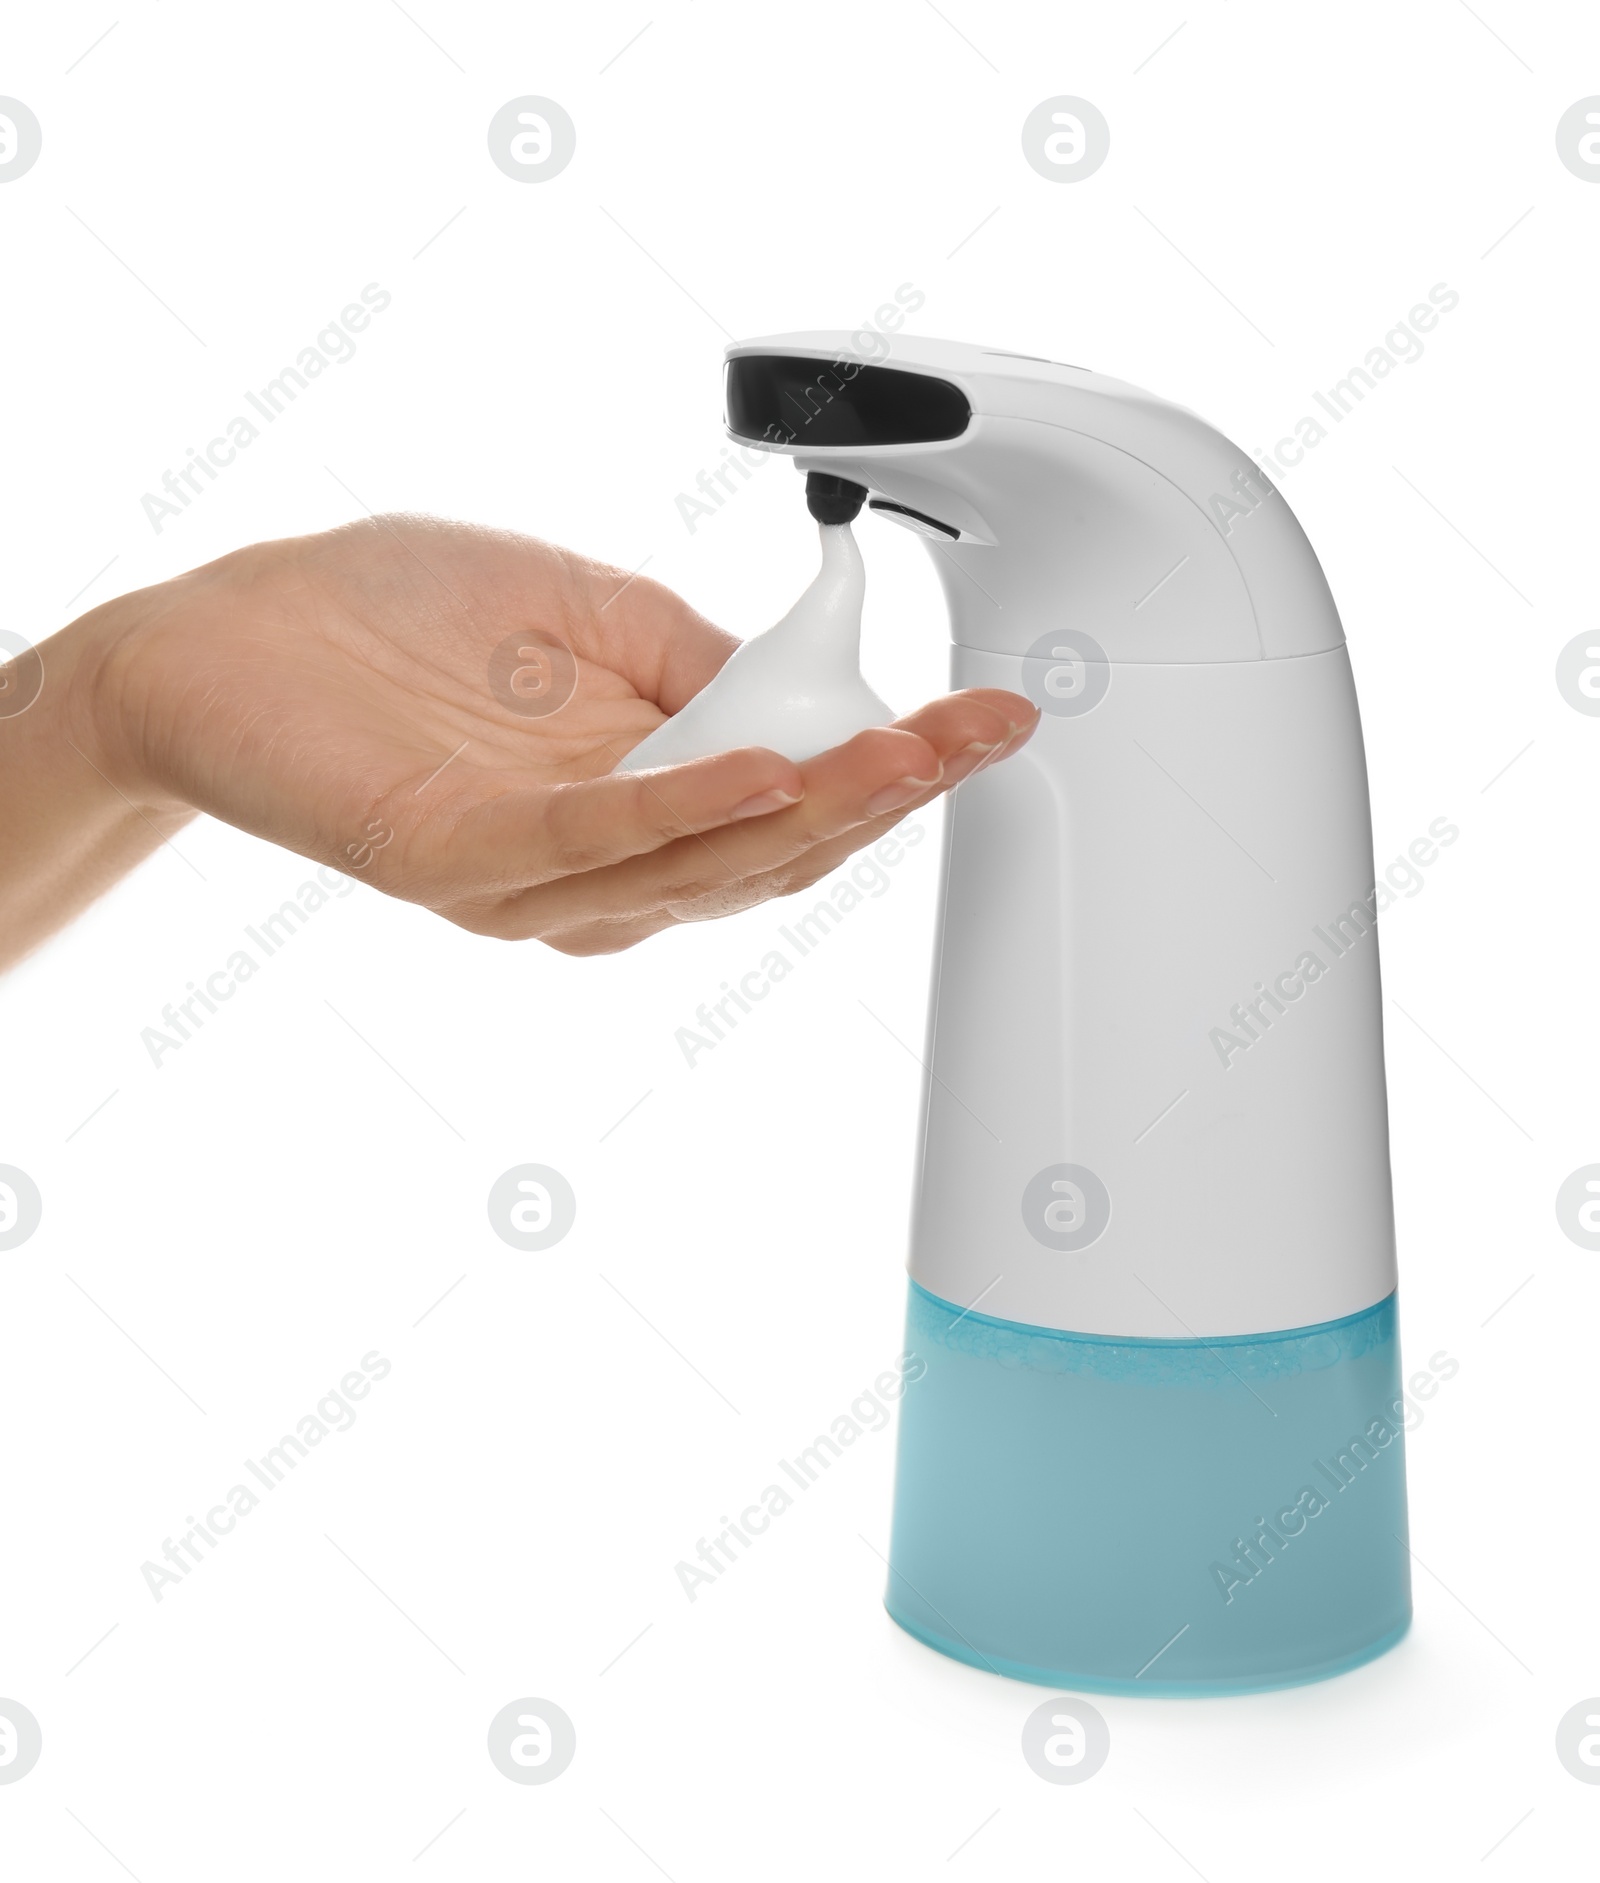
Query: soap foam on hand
x,y
797,689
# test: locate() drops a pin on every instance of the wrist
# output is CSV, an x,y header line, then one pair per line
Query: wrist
x,y
101,705
79,813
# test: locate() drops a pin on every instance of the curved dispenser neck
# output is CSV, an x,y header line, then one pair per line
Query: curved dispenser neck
x,y
1050,495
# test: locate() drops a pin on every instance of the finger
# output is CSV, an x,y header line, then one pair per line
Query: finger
x,y
587,873
606,938
883,772
876,772
531,835
969,729
852,794
825,856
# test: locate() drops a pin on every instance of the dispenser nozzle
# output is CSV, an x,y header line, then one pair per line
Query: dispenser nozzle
x,y
833,499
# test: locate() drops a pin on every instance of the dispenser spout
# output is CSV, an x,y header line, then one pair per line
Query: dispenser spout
x,y
833,499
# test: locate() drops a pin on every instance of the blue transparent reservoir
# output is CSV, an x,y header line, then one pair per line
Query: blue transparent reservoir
x,y
1151,1516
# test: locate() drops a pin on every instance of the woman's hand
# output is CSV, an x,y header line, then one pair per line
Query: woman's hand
x,y
349,696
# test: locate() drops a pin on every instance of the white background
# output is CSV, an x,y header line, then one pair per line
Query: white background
x,y
234,1230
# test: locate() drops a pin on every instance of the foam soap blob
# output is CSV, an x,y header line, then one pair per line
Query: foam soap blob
x,y
797,689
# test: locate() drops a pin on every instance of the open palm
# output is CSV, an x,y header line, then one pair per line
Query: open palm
x,y
439,708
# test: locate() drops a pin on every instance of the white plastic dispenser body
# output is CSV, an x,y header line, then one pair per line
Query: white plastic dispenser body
x,y
1152,1256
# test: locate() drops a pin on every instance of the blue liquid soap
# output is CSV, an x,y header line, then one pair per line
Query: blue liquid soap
x,y
1152,1516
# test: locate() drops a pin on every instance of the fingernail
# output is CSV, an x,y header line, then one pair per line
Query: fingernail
x,y
967,761
765,803
902,791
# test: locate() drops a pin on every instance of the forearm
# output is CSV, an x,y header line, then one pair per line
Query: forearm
x,y
68,829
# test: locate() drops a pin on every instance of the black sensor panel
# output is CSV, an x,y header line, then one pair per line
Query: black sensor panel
x,y
783,399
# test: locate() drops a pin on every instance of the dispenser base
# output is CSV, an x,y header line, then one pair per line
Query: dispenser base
x,y
1069,1510
1066,1679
